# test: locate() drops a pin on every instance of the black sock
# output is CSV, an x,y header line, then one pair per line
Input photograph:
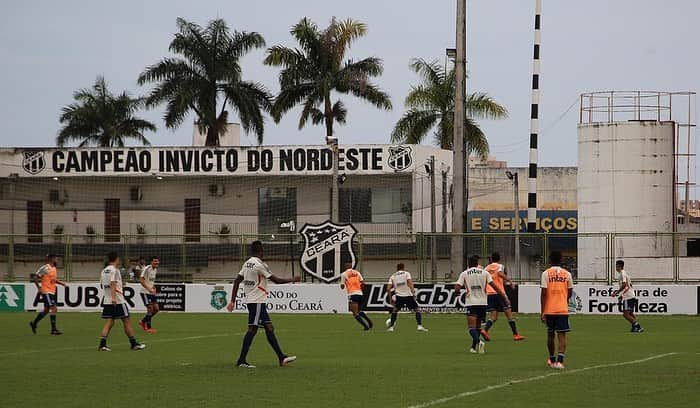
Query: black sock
x,y
475,337
560,358
247,342
364,316
514,329
53,322
272,339
394,315
361,321
38,318
103,341
132,341
489,323
419,319
552,359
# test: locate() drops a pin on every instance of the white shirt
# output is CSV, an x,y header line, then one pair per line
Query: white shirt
x,y
149,275
399,280
474,280
628,293
111,274
255,274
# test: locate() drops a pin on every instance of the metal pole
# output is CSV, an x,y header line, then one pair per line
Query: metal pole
x,y
433,222
334,184
444,201
460,166
534,123
516,204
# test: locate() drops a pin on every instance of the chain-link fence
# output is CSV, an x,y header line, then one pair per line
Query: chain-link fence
x,y
218,257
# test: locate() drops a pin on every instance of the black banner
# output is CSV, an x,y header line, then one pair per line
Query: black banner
x,y
171,297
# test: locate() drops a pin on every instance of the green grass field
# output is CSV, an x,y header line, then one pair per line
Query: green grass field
x,y
189,363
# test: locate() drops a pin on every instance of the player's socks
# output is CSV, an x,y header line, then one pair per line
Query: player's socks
x,y
247,342
103,341
419,318
475,337
489,323
552,359
513,328
369,322
560,358
53,321
394,315
361,321
132,341
272,339
38,318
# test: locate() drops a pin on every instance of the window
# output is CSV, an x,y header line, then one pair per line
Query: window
x,y
391,206
192,219
375,205
112,220
355,205
35,222
276,205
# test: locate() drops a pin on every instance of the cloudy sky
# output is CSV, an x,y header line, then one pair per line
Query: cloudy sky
x,y
48,49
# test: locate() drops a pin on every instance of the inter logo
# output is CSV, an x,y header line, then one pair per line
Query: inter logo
x,y
33,162
327,247
400,157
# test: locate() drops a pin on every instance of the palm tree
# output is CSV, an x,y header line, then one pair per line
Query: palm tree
x,y
318,68
431,106
209,68
99,118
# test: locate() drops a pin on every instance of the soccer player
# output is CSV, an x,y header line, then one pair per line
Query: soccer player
x,y
627,296
402,284
352,281
47,275
556,290
148,294
114,304
495,303
475,280
254,274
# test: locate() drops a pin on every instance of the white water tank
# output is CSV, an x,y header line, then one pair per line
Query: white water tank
x,y
625,185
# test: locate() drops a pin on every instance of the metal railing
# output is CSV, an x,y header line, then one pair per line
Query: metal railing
x,y
651,257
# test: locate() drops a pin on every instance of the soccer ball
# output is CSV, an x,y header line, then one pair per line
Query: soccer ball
x,y
388,322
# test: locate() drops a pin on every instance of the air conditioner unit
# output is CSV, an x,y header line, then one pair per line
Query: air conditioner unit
x,y
58,196
278,192
216,190
136,194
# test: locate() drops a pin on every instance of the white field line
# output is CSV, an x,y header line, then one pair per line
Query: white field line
x,y
539,377
43,350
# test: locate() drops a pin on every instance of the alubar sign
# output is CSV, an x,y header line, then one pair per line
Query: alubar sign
x,y
273,160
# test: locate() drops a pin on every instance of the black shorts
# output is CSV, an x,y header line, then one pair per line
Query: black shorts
x,y
408,302
148,299
115,311
477,311
257,314
49,299
557,323
630,305
355,299
496,303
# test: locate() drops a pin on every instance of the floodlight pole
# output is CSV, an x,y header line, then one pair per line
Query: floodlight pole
x,y
461,168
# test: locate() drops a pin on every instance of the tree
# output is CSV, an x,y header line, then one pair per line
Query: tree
x,y
99,118
431,106
318,68
208,68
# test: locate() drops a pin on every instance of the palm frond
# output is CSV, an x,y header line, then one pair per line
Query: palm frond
x,y
413,126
